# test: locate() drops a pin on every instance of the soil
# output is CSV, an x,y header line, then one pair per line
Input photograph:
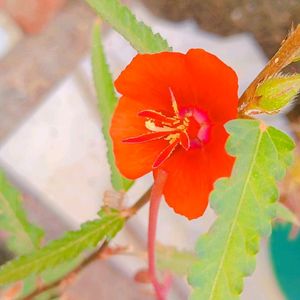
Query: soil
x,y
268,20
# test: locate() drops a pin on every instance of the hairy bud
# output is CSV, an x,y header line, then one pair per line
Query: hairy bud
x,y
275,93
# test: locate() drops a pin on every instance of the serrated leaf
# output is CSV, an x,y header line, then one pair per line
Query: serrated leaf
x,y
47,277
245,207
64,249
107,101
122,20
24,237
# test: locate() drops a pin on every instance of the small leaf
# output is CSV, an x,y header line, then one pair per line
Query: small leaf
x,y
71,245
122,20
275,93
107,101
245,207
24,237
285,214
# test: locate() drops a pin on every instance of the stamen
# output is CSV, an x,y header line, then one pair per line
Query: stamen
x,y
185,140
190,128
150,124
158,116
173,137
147,137
165,154
174,103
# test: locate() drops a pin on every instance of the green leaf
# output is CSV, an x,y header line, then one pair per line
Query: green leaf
x,y
286,215
245,207
122,20
107,101
48,276
61,270
24,237
71,245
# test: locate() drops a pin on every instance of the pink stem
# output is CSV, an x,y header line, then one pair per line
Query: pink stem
x,y
161,289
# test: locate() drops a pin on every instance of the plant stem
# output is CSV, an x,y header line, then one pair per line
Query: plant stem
x,y
139,204
161,289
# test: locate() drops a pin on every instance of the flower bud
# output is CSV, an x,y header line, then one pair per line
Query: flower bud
x,y
275,93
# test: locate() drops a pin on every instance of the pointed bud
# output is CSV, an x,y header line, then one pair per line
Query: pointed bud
x,y
275,93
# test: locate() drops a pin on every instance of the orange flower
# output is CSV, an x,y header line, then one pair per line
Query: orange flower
x,y
171,117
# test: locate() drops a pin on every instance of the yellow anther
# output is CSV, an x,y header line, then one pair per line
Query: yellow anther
x,y
172,137
149,124
181,127
186,122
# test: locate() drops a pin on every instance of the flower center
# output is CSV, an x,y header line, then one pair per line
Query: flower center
x,y
188,127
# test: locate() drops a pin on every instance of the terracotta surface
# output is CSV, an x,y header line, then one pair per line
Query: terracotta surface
x,y
32,15
31,69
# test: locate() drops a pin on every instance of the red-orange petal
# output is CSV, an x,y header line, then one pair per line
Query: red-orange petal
x,y
191,174
197,78
214,85
133,160
188,186
165,154
219,162
149,78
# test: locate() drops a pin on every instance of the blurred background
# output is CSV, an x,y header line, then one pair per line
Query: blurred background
x,y
52,148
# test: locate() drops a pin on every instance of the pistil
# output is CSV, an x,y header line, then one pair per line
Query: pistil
x,y
188,127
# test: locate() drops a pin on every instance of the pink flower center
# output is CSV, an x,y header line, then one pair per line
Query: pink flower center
x,y
188,127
